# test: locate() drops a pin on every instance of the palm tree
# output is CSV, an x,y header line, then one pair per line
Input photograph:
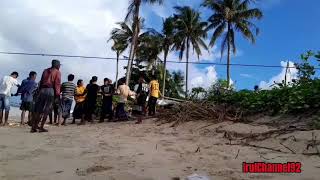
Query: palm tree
x,y
124,34
133,15
166,38
230,16
189,31
119,47
167,43
149,47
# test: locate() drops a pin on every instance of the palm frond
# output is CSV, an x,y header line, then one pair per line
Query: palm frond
x,y
245,31
217,33
131,11
249,14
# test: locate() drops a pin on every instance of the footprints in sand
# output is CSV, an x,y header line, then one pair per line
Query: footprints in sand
x,y
93,169
29,155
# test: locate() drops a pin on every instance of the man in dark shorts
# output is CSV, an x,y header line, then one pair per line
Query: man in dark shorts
x,y
49,89
91,98
68,90
142,90
54,116
27,90
80,97
107,92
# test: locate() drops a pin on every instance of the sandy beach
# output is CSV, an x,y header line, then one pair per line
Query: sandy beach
x,y
126,151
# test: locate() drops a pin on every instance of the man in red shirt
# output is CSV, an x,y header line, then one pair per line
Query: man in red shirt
x,y
49,89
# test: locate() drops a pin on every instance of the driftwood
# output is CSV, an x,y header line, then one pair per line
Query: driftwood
x,y
313,144
261,136
293,152
256,146
237,154
202,111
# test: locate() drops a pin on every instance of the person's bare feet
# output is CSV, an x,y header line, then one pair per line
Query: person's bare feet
x,y
6,124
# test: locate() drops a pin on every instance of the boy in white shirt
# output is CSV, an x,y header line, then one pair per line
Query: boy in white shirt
x,y
6,84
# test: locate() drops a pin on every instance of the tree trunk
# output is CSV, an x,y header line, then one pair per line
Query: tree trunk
x,y
165,72
228,57
134,43
128,72
187,68
117,70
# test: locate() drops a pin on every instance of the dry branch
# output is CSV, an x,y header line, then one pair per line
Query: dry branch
x,y
203,111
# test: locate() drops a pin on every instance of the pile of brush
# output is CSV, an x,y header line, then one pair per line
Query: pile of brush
x,y
199,111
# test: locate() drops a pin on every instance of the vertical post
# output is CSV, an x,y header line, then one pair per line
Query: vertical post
x,y
285,76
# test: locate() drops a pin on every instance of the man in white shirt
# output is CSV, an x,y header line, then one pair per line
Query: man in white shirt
x,y
123,91
6,84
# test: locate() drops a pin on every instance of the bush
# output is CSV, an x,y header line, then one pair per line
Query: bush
x,y
298,97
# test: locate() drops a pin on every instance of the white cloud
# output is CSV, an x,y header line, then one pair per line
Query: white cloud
x,y
291,74
77,27
203,77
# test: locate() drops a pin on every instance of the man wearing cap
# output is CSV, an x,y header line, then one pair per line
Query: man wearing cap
x,y
49,89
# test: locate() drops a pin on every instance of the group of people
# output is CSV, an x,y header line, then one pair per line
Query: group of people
x,y
53,99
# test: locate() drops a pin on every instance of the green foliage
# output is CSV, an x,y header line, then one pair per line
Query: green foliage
x,y
198,93
299,97
306,70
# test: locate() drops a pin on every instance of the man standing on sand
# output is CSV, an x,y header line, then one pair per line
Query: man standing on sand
x,y
49,85
123,91
27,89
107,93
91,98
141,89
6,84
68,90
80,98
154,95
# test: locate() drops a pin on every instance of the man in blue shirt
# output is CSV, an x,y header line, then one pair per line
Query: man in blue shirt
x,y
27,89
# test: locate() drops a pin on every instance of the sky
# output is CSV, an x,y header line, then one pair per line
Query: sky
x,y
82,27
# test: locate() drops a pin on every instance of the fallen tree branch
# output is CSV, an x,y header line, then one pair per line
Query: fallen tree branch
x,y
288,148
256,146
269,158
237,154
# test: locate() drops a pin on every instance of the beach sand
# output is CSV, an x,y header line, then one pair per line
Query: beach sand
x,y
126,151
